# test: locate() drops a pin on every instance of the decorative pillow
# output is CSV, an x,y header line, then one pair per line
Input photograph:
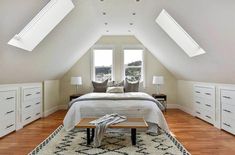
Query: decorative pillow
x,y
115,90
116,84
100,86
131,86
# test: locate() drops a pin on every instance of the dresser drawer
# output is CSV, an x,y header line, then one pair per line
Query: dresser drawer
x,y
27,118
198,91
37,112
209,116
31,93
7,109
228,111
208,93
199,112
7,124
7,96
228,124
228,96
198,101
208,105
33,103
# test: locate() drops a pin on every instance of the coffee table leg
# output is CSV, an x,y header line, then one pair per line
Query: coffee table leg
x,y
133,136
88,136
92,134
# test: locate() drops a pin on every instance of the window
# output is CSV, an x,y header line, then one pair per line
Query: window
x,y
103,64
133,64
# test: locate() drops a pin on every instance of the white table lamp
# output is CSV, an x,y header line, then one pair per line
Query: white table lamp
x,y
76,81
158,80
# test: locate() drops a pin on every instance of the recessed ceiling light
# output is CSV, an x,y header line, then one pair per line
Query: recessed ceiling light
x,y
133,13
131,23
137,0
101,0
129,30
107,30
104,13
105,23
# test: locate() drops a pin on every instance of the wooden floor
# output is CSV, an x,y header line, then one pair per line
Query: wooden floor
x,y
197,136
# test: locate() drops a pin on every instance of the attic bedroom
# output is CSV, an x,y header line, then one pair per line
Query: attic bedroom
x,y
114,77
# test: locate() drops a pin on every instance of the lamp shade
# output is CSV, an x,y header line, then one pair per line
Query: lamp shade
x,y
158,80
76,80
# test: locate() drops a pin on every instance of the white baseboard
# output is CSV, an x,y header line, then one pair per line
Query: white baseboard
x,y
172,106
63,107
50,111
186,109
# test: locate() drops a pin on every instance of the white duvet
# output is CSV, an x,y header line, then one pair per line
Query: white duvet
x,y
130,108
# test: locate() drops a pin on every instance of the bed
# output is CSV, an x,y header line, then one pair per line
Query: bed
x,y
132,104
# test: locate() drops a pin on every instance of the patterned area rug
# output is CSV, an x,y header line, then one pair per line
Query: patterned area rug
x,y
61,142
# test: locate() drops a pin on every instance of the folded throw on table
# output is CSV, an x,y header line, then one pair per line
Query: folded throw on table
x,y
103,123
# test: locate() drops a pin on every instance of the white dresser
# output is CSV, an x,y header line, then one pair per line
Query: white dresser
x,y
8,100
31,102
204,101
227,100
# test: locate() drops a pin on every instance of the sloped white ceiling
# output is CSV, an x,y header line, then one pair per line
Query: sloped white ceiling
x,y
211,23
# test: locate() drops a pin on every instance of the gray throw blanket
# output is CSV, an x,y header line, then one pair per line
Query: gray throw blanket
x,y
107,96
103,123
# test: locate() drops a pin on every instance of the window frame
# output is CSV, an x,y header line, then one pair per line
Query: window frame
x,y
102,47
134,47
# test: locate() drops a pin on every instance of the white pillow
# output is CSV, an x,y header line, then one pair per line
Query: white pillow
x,y
115,90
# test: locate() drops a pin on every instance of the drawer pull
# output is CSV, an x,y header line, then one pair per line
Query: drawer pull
x,y
8,98
28,118
9,112
37,92
198,92
227,97
37,103
208,93
37,113
227,111
227,125
9,126
198,112
28,94
198,102
28,106
208,117
208,105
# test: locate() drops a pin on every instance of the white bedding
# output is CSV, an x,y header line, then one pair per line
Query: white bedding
x,y
130,108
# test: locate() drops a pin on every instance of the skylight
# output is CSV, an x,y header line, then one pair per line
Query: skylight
x,y
178,34
41,25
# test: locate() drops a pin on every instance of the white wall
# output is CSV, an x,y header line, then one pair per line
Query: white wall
x,y
83,68
185,96
51,97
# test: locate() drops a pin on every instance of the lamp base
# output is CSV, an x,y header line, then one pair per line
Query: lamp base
x,y
158,89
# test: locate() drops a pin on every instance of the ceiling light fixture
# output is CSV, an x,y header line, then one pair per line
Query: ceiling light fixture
x,y
129,30
107,30
131,24
104,13
133,13
105,23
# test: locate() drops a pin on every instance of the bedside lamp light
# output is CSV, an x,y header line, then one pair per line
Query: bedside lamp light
x,y
158,80
76,81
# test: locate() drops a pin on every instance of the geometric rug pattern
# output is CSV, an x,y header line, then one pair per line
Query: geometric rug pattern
x,y
73,142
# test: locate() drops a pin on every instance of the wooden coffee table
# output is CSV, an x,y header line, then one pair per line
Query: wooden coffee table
x,y
131,123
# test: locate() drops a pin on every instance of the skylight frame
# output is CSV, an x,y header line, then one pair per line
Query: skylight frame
x,y
178,34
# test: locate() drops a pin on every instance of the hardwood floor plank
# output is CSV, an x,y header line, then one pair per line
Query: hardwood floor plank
x,y
199,137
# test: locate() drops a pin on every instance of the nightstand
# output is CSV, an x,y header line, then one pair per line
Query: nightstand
x,y
74,96
162,98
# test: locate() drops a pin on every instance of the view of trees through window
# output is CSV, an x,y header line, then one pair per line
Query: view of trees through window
x,y
103,60
133,62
